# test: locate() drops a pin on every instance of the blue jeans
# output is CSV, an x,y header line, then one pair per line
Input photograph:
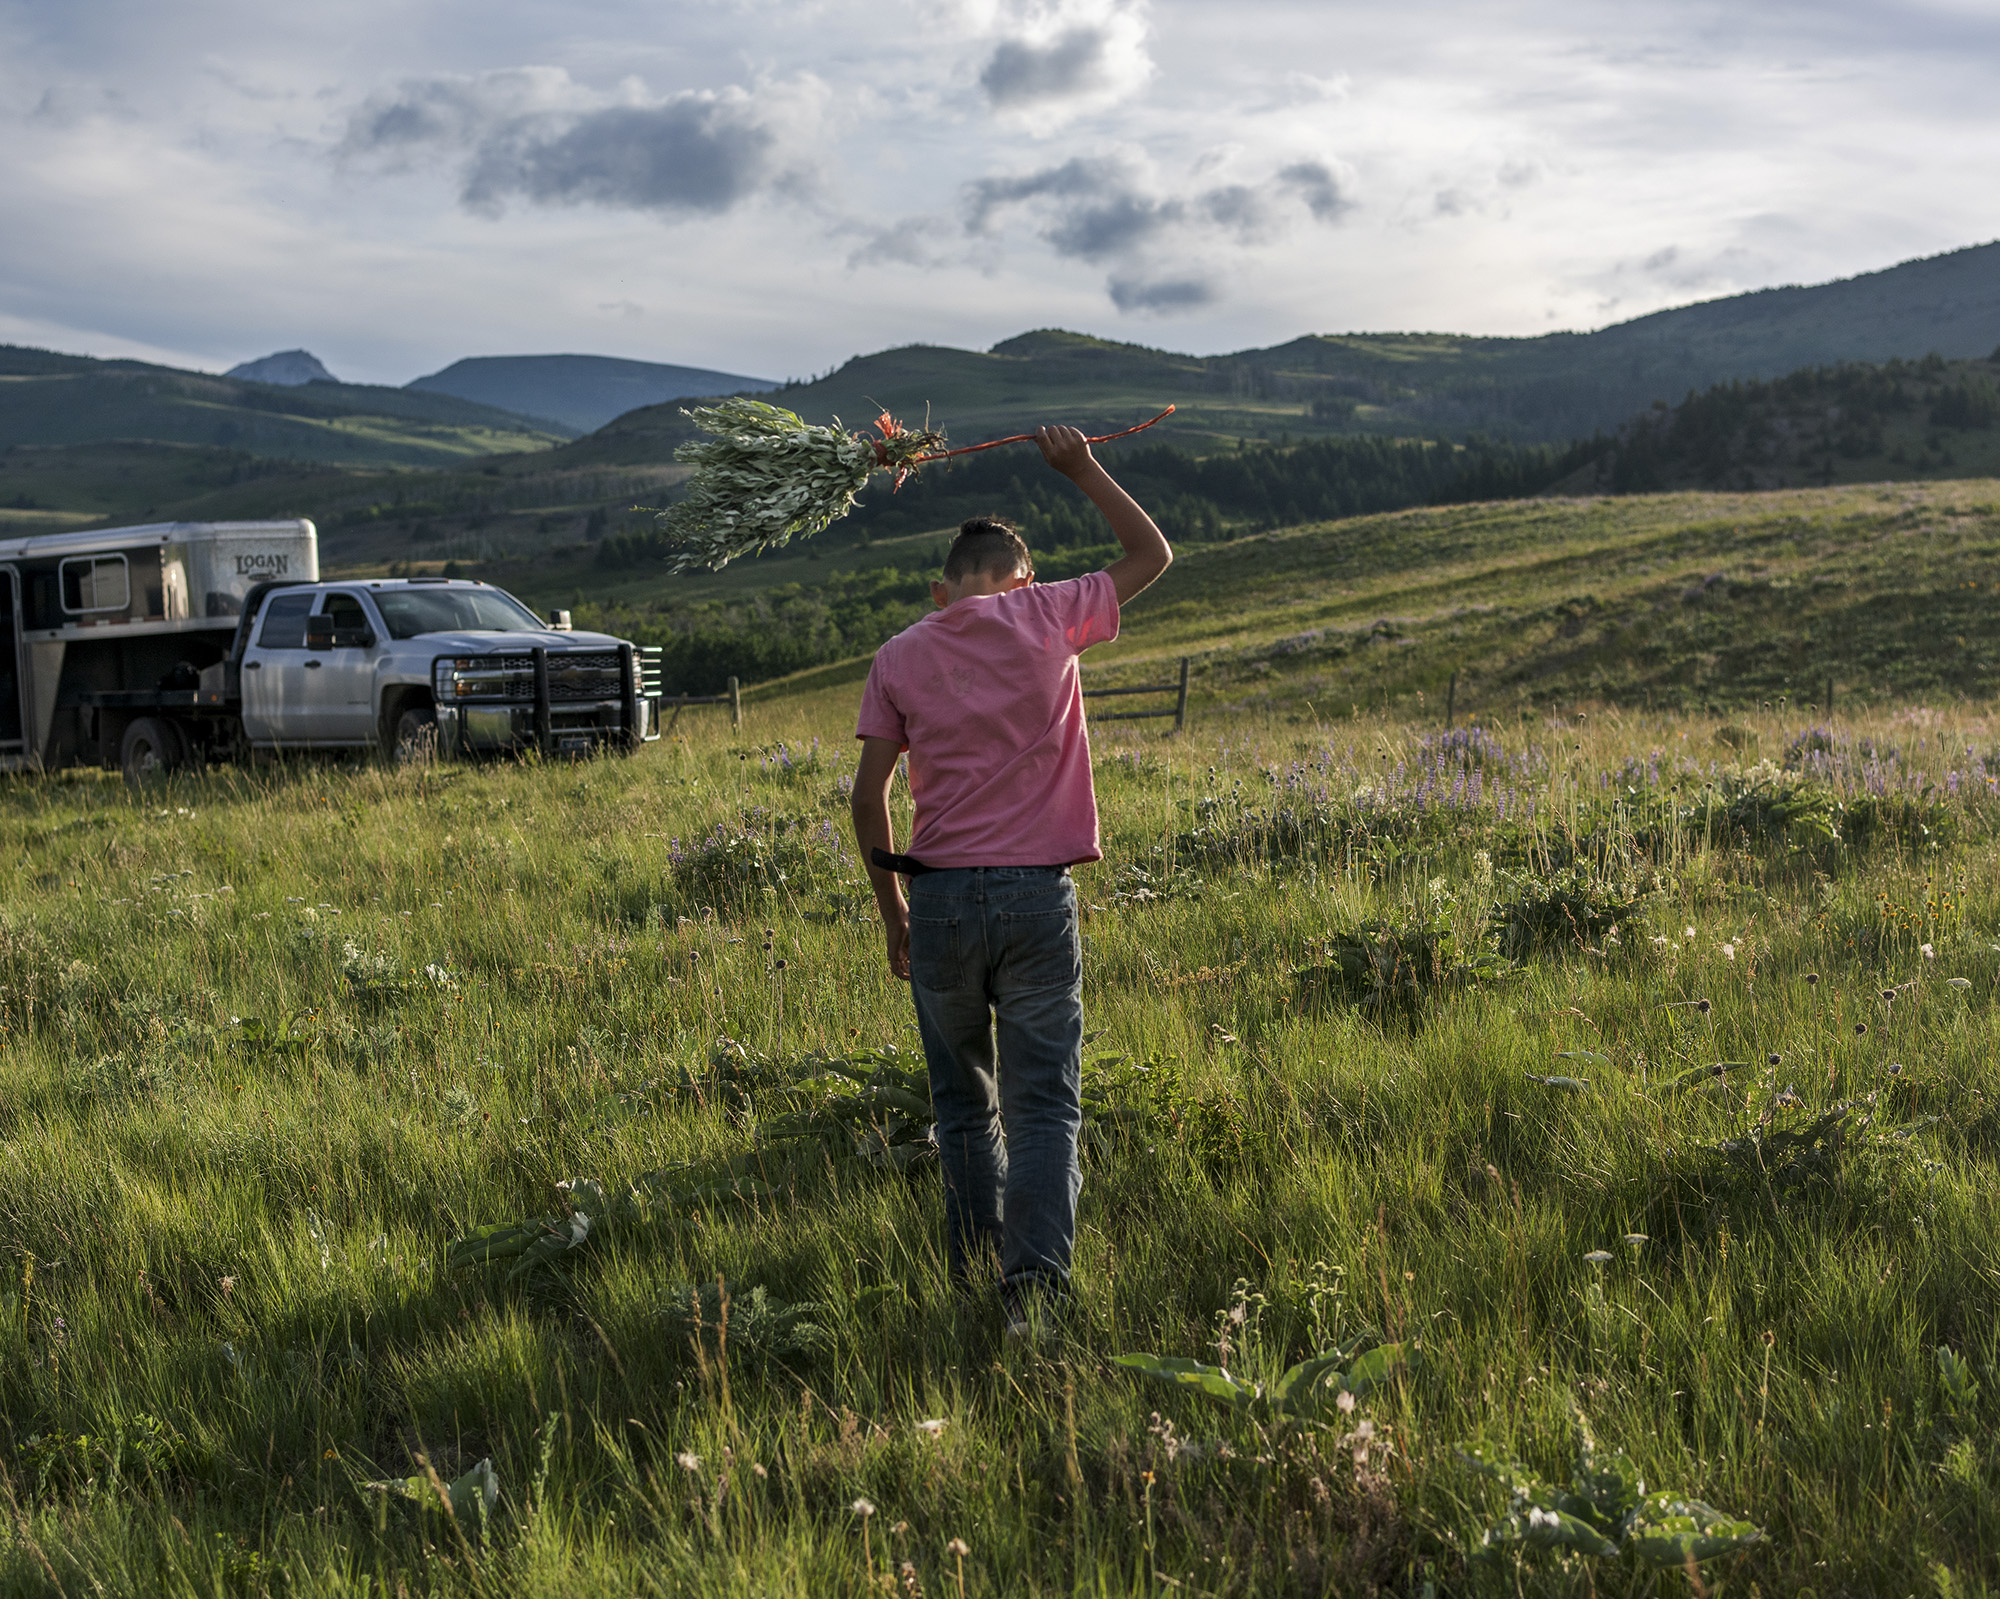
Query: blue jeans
x,y
994,957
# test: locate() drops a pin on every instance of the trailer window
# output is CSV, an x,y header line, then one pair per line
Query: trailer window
x,y
96,583
285,621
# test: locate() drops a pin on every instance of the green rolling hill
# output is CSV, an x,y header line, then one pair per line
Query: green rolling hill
x,y
50,399
1550,389
1691,601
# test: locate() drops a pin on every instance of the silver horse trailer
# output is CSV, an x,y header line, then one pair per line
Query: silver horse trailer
x,y
97,629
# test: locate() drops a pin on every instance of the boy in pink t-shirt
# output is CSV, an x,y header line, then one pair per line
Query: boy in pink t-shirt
x,y
985,696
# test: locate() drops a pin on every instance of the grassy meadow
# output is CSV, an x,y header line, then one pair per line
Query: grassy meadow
x,y
1696,602
1398,1038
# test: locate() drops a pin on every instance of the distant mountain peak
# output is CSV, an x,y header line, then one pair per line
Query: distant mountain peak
x,y
580,391
288,367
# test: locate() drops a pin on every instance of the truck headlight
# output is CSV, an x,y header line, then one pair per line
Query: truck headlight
x,y
475,677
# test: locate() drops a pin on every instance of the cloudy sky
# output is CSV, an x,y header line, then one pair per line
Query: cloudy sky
x,y
770,186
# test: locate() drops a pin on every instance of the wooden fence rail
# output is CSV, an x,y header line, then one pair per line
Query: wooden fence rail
x,y
733,699
1178,711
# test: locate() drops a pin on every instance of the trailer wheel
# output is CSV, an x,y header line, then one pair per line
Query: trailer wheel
x,y
150,749
416,737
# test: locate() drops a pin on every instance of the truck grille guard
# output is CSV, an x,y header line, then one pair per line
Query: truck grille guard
x,y
566,692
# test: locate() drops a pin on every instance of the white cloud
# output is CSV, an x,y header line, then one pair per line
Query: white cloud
x,y
1111,209
1162,295
1054,62
534,135
774,186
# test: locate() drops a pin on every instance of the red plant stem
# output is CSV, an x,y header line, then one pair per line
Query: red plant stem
x,y
1024,438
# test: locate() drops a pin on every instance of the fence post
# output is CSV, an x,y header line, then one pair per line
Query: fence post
x,y
1180,705
735,705
1450,701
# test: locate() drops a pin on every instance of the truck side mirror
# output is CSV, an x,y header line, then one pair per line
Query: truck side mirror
x,y
559,621
319,632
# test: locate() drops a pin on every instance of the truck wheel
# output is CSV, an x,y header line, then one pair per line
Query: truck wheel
x,y
416,737
150,749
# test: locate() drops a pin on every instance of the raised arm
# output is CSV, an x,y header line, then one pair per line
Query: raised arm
x,y
1147,553
872,830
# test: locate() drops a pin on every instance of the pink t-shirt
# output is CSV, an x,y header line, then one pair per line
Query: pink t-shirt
x,y
985,696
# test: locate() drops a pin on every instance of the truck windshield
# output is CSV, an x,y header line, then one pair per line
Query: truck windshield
x,y
408,612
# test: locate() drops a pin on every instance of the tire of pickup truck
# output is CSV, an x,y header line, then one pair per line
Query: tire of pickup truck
x,y
415,743
151,749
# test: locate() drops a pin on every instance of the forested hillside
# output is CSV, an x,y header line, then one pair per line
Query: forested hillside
x,y
1844,424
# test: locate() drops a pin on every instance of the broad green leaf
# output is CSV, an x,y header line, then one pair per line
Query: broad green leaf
x,y
478,1489
465,1495
1537,1526
503,1242
415,1488
1211,1380
585,1194
1380,1365
1304,1391
1666,1530
1608,1482
904,1101
1502,1469
1960,1386
877,1297
567,1234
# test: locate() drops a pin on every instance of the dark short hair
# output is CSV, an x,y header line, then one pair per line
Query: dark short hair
x,y
987,544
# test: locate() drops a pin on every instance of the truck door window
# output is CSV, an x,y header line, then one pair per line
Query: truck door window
x,y
350,621
285,621
96,583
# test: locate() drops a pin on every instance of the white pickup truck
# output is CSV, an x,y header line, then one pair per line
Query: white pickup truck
x,y
152,648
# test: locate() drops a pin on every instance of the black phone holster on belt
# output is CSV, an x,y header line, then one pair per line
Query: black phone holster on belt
x,y
907,865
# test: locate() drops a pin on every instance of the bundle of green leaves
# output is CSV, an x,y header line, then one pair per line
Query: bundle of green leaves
x,y
767,476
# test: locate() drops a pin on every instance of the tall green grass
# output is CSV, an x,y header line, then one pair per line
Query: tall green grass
x,y
228,1311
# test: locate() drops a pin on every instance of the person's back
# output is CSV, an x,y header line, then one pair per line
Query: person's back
x,y
985,696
